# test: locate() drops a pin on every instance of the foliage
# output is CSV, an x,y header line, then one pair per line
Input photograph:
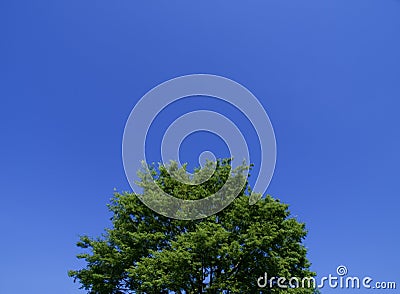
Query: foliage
x,y
145,252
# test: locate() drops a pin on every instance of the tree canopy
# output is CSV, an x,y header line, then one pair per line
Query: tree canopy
x,y
145,252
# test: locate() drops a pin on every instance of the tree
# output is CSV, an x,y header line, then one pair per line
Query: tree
x,y
145,252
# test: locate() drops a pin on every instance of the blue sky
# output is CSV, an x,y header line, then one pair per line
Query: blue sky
x,y
327,72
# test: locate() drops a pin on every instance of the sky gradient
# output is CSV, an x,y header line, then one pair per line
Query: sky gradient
x,y
327,73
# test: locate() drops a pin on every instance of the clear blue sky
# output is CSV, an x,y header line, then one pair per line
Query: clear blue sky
x,y
327,72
